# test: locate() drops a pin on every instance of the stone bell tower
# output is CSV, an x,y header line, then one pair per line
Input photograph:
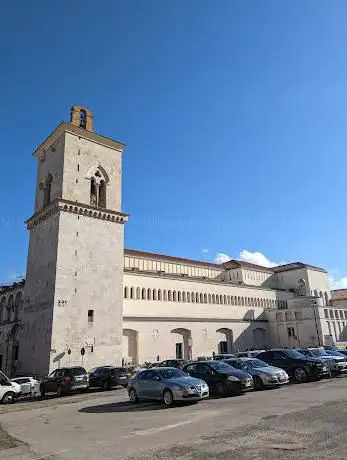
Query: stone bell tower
x,y
73,290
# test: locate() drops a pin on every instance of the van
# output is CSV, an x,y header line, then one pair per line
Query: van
x,y
9,391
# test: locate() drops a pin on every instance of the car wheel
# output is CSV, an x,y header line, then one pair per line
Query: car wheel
x,y
168,398
8,398
300,375
106,386
222,389
258,383
133,396
59,391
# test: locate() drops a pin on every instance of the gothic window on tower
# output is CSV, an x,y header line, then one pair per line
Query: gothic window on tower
x,y
98,185
47,190
83,118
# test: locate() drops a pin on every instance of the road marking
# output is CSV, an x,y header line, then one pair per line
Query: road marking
x,y
161,428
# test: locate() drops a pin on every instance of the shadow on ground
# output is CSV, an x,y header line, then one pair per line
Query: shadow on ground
x,y
126,406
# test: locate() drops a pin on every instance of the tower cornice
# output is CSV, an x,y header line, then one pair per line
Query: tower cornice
x,y
76,130
73,207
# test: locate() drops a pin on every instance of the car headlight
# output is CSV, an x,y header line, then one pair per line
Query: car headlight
x,y
231,378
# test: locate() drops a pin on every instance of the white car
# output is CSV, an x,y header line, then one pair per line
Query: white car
x,y
9,391
29,386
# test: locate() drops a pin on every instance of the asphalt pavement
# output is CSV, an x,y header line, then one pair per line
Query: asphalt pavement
x,y
307,421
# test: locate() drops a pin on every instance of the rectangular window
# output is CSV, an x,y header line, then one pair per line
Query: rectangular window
x,y
290,331
90,316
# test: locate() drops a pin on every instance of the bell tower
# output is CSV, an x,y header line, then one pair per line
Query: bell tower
x,y
73,291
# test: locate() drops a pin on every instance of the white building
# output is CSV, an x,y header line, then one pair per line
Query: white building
x,y
88,301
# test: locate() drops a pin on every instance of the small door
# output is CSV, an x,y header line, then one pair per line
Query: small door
x,y
223,347
179,350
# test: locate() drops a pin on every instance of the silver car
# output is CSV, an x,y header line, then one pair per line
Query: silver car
x,y
166,384
263,374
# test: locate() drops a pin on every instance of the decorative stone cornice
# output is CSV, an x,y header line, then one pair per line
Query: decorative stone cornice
x,y
59,204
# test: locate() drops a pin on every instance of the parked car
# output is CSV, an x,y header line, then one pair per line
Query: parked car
x,y
9,391
65,380
248,354
108,377
177,363
221,378
321,354
167,384
263,374
300,368
222,356
29,386
340,360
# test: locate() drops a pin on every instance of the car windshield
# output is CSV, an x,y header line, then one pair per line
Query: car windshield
x,y
219,366
77,371
335,353
292,354
171,373
318,352
256,363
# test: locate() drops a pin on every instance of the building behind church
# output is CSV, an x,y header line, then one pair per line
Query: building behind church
x,y
87,300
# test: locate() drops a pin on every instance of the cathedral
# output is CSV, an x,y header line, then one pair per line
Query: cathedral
x,y
86,300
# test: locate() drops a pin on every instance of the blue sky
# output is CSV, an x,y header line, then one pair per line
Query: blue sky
x,y
234,113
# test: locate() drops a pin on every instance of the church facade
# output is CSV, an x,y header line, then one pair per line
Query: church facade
x,y
88,301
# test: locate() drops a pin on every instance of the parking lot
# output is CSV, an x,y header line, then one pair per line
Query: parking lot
x,y
297,421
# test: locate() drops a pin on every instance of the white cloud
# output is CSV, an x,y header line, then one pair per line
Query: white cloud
x,y
14,276
338,283
205,251
221,258
257,258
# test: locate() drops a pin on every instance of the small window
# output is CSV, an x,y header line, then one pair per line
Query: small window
x,y
90,316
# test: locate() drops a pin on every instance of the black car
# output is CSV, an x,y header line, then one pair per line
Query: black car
x,y
177,363
221,378
300,368
65,380
108,377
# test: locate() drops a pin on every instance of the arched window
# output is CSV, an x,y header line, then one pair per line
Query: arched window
x,y
159,294
239,301
326,297
174,296
301,287
169,294
193,297
9,308
183,296
209,298
188,296
102,194
315,293
179,297
126,295
205,298
131,292
143,293
154,294
213,298
83,118
228,300
165,295
217,299
242,301
149,294
201,298
47,190
138,293
93,197
98,186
